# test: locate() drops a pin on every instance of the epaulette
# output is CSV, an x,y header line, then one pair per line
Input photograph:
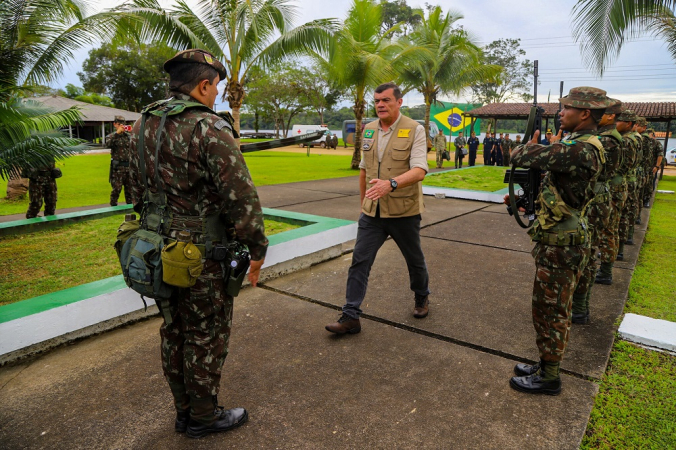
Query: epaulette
x,y
613,133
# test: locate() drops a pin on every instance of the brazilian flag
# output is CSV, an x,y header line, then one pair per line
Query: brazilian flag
x,y
451,116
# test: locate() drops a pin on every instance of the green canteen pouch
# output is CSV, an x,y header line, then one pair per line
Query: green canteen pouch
x,y
124,232
181,264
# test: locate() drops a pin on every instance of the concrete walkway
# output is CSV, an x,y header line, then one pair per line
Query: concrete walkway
x,y
439,382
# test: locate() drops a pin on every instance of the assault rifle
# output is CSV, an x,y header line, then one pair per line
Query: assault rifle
x,y
276,143
529,180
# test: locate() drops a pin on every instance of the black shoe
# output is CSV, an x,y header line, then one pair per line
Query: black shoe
x,y
182,419
637,221
620,257
646,204
523,370
534,384
602,278
345,324
629,242
113,204
581,318
225,420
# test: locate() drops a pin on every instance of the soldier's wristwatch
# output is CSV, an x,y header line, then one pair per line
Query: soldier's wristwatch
x,y
394,184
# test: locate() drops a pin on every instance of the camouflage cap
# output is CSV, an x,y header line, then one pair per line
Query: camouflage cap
x,y
650,130
640,121
615,108
627,116
197,56
586,97
119,119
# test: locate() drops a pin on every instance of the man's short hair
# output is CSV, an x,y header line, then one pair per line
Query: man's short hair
x,y
597,114
183,77
385,86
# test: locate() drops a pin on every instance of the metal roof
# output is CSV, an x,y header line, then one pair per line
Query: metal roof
x,y
90,113
652,111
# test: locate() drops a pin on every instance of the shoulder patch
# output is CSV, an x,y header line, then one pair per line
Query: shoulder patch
x,y
220,124
567,142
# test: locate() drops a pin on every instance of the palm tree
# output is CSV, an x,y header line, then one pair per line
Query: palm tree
x,y
603,26
456,64
37,38
240,33
361,57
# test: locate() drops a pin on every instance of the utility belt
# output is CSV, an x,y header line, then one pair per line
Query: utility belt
x,y
212,249
601,193
117,163
560,238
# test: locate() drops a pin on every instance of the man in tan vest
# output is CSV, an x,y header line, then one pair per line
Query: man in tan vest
x,y
393,165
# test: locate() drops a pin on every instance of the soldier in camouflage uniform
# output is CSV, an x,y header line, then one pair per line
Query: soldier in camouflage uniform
x,y
600,210
658,160
460,143
209,190
649,159
614,146
635,185
440,146
645,163
631,145
41,186
119,162
562,244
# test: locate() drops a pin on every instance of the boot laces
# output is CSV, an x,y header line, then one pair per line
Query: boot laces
x,y
345,318
420,300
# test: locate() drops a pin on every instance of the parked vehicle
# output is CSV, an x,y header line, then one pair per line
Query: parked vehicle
x,y
671,156
298,130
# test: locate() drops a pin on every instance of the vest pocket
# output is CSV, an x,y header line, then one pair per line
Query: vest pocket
x,y
400,154
401,201
367,205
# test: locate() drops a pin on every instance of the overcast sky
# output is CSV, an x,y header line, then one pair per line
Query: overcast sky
x,y
643,72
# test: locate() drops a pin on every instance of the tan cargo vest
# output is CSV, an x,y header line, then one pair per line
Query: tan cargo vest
x,y
404,201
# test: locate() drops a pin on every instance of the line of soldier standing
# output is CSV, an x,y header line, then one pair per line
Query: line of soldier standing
x,y
595,183
497,150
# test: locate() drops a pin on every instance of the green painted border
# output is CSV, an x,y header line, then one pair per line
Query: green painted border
x,y
13,311
500,191
50,222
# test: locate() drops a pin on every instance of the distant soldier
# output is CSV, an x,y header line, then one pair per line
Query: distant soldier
x,y
658,155
473,144
599,210
497,150
42,186
636,187
506,148
440,146
625,124
562,244
119,163
609,243
460,143
488,148
515,143
646,165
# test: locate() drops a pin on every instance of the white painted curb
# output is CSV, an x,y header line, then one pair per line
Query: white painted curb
x,y
465,195
648,331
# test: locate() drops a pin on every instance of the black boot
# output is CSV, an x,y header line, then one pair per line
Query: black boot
x,y
523,370
603,278
630,241
219,419
182,419
620,257
545,381
638,221
581,318
646,204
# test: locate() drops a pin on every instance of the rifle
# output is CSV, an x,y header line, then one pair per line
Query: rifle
x,y
528,179
276,143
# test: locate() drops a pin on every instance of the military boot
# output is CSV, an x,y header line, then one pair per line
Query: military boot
x,y
630,236
523,370
207,417
545,381
637,221
182,419
581,308
646,204
605,274
581,318
620,253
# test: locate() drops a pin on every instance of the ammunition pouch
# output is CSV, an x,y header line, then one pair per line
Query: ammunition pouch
x,y
557,223
115,163
124,232
181,263
602,193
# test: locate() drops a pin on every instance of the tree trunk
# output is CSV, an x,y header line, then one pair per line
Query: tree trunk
x,y
256,120
358,109
234,93
17,188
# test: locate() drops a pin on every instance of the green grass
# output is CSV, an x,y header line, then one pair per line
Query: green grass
x,y
483,178
652,291
49,261
636,404
85,177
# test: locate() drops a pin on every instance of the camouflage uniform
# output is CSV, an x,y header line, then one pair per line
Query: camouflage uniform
x,y
41,186
600,213
203,173
630,211
649,162
507,145
460,142
119,167
440,145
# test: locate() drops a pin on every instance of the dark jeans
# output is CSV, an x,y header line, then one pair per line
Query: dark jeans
x,y
472,157
371,234
458,157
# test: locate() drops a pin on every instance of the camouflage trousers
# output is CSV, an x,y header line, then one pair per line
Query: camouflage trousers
x,y
195,345
440,158
39,189
610,240
629,211
648,188
118,179
556,275
505,158
599,216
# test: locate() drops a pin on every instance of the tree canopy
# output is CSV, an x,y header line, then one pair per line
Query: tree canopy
x,y
514,82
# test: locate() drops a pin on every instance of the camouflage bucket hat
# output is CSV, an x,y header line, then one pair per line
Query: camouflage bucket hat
x,y
642,122
650,130
586,97
119,119
196,56
627,116
615,108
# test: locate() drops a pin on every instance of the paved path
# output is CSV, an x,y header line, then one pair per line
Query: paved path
x,y
439,382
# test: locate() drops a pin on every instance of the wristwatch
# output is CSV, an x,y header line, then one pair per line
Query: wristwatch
x,y
394,184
